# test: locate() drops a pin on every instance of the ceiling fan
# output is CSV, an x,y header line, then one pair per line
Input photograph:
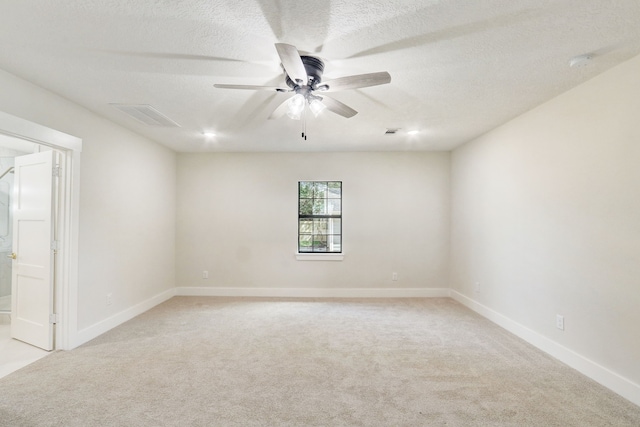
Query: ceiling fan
x,y
303,76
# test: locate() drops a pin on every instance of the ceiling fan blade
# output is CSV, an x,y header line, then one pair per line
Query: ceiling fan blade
x,y
280,110
251,87
166,55
293,66
355,82
338,107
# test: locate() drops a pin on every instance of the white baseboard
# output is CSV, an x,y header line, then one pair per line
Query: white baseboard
x,y
618,384
598,373
93,331
105,325
314,292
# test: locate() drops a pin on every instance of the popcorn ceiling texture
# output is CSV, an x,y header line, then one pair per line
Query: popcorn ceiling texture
x,y
458,68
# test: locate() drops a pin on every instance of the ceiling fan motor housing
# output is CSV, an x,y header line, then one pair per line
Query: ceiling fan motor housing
x,y
314,68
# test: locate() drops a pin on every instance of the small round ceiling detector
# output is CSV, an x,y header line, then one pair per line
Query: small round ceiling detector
x,y
580,60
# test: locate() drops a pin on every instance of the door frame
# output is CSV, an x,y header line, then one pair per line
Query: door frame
x,y
66,262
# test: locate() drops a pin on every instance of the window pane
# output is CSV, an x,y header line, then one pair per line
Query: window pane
x,y
319,243
306,206
320,226
305,243
334,206
319,190
306,226
334,226
319,206
305,190
335,189
335,243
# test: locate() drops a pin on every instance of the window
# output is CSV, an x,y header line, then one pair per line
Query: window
x,y
320,216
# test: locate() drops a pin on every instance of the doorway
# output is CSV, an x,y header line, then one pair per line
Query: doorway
x,y
14,130
10,148
14,354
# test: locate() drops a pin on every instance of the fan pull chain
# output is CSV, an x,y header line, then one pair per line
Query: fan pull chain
x,y
304,123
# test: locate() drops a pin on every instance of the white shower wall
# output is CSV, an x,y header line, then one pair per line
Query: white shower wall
x,y
7,160
6,186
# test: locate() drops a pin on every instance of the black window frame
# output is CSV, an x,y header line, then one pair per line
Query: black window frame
x,y
306,207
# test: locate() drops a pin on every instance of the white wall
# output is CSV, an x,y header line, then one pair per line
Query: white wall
x,y
546,217
127,203
237,219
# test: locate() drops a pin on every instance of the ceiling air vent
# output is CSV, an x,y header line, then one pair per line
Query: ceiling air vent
x,y
146,114
391,131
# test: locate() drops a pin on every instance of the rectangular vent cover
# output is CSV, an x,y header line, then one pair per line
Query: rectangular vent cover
x,y
391,131
146,114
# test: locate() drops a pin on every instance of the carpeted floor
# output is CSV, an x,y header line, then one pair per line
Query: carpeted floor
x,y
201,361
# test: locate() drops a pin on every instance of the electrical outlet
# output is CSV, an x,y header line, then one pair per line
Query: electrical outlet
x,y
476,288
560,322
394,277
205,274
109,299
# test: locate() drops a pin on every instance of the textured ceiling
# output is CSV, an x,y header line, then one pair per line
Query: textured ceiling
x,y
458,68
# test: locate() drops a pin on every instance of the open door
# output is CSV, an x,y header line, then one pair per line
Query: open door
x,y
33,254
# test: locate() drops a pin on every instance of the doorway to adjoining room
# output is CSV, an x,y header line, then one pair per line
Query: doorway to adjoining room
x,y
14,354
10,148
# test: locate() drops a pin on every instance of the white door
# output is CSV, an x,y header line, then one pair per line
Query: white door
x,y
33,234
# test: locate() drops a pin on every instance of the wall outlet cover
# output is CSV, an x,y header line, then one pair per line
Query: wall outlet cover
x,y
560,322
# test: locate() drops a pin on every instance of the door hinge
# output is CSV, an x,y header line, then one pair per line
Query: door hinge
x,y
53,318
55,245
57,170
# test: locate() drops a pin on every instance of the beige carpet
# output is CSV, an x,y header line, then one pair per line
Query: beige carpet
x,y
196,361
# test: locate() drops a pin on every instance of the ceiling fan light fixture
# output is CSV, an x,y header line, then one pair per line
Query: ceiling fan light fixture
x,y
295,106
303,76
316,106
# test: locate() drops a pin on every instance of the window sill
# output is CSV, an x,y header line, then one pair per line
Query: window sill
x,y
319,257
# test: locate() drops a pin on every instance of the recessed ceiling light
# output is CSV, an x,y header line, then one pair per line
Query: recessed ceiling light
x,y
413,132
209,134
